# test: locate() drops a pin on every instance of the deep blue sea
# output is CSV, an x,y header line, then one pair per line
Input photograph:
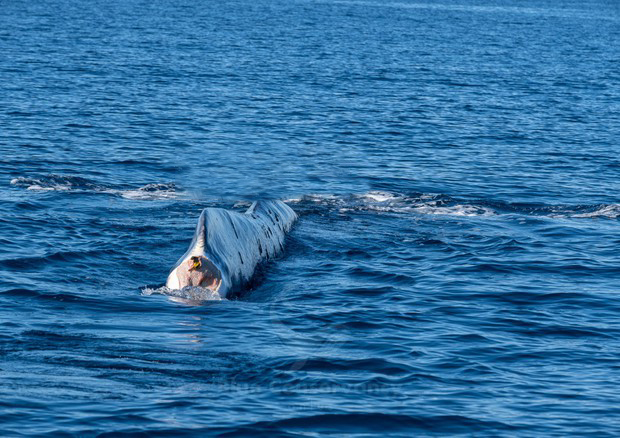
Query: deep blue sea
x,y
454,270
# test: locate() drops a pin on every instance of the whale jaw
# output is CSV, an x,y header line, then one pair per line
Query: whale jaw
x,y
196,271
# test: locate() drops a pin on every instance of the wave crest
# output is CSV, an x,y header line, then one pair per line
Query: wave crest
x,y
440,204
69,183
56,182
387,202
191,295
611,211
151,191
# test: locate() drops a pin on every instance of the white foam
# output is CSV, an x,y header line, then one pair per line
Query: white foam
x,y
78,184
317,197
191,295
140,195
431,209
611,211
391,202
377,196
455,210
292,200
38,187
37,184
150,192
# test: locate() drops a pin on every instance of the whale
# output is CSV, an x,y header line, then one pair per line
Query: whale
x,y
228,246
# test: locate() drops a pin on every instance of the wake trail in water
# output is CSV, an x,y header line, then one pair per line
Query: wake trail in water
x,y
386,202
611,211
76,184
441,204
372,201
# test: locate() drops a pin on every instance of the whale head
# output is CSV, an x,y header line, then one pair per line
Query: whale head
x,y
195,268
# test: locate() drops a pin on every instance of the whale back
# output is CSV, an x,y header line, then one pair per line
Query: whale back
x,y
237,242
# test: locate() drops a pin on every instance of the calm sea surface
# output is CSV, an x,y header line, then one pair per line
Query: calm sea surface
x,y
456,168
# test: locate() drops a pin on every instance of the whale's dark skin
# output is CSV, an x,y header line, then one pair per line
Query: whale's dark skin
x,y
228,246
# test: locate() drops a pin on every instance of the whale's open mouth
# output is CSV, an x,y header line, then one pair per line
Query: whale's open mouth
x,y
196,271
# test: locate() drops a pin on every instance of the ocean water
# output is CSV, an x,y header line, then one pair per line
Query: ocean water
x,y
455,166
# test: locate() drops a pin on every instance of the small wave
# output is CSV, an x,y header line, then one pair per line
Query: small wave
x,y
56,182
456,210
191,295
38,261
376,196
151,191
387,202
439,204
316,198
68,183
23,293
611,211
372,422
